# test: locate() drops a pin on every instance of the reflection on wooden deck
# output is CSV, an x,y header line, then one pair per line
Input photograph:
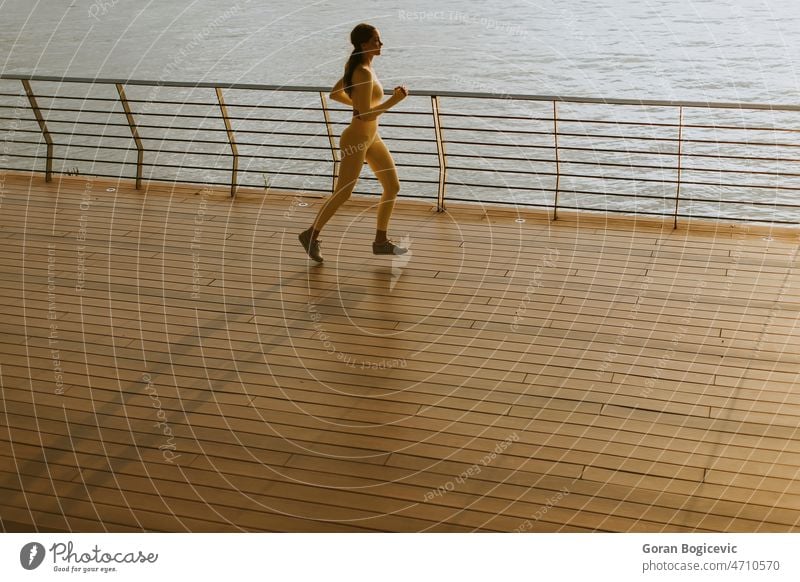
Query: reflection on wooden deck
x,y
172,361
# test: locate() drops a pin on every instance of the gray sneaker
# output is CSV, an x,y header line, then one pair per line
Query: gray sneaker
x,y
311,247
387,248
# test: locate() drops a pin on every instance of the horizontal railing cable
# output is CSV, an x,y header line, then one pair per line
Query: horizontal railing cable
x,y
683,154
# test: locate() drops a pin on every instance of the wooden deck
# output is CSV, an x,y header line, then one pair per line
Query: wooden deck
x,y
172,361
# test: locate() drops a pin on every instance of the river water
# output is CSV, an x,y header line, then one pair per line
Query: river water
x,y
717,50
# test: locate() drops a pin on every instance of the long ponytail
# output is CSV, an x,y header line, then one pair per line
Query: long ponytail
x,y
360,34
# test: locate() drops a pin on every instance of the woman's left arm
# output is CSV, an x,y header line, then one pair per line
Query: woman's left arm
x,y
338,93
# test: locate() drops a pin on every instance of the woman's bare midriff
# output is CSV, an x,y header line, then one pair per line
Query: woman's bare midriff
x,y
364,128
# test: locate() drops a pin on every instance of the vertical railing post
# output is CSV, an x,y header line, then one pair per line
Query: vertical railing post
x,y
680,152
48,176
231,140
134,132
441,152
331,140
558,162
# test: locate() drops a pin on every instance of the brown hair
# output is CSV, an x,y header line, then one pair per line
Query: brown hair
x,y
360,34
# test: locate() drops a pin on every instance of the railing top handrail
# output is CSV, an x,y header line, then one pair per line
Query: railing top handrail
x,y
423,93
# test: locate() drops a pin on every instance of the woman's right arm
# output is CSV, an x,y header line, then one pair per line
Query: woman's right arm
x,y
338,93
362,95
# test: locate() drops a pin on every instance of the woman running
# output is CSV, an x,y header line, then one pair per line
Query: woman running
x,y
360,88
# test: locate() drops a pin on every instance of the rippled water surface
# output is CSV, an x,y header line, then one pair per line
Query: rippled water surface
x,y
665,49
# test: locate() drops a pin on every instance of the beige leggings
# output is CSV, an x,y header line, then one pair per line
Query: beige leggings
x,y
361,142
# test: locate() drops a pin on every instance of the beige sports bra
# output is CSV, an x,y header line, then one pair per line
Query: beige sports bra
x,y
377,93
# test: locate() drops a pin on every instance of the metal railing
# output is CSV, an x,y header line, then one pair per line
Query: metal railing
x,y
730,161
